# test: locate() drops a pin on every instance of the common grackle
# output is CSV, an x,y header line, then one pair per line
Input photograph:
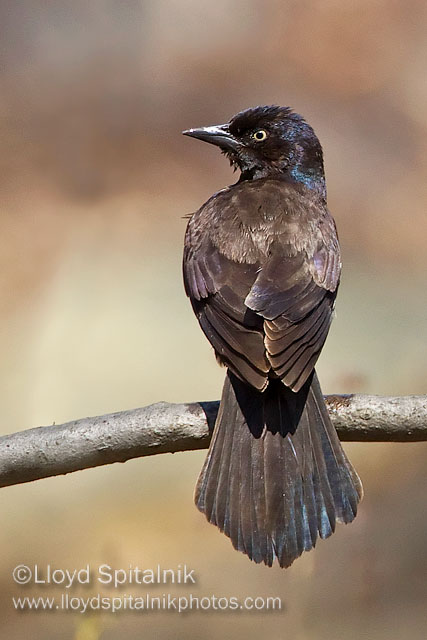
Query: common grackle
x,y
261,267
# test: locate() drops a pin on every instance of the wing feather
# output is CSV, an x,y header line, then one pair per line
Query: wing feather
x,y
263,288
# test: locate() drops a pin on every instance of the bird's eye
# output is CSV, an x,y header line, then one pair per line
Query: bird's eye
x,y
259,135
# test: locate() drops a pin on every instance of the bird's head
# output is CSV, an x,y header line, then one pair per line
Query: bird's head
x,y
269,141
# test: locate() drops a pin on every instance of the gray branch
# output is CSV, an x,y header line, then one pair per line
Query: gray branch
x,y
168,428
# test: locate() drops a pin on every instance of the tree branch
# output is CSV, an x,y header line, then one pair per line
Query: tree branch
x,y
168,428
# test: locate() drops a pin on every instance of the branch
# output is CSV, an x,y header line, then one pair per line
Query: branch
x,y
168,428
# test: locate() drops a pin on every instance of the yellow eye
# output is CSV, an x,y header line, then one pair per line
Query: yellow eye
x,y
259,135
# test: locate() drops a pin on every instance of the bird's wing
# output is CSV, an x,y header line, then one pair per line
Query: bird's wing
x,y
217,287
261,267
295,292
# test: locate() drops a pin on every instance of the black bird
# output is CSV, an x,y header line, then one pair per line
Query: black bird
x,y
261,267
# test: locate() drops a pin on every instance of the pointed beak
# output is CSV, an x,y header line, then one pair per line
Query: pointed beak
x,y
217,134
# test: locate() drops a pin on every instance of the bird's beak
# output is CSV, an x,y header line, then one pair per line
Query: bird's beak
x,y
217,134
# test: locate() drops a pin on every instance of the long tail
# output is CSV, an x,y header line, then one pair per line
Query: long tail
x,y
276,475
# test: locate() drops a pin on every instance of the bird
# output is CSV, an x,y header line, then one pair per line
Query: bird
x,y
261,268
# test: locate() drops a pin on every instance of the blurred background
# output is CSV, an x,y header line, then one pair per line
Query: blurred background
x,y
95,180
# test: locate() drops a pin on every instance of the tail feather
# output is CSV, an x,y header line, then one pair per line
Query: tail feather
x,y
276,476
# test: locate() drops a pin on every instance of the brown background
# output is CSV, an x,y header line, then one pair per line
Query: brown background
x,y
94,181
